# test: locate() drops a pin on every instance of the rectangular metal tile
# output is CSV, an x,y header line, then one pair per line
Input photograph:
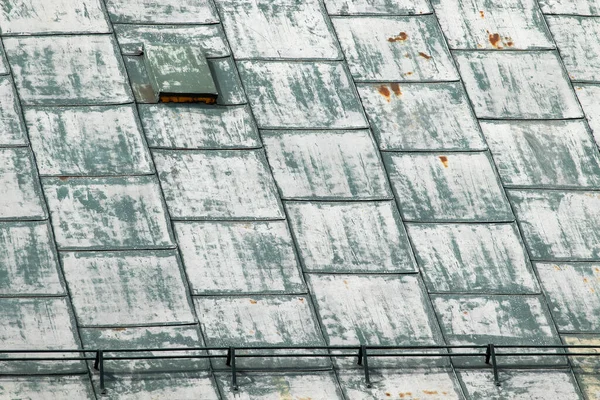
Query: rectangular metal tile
x,y
472,258
517,85
588,97
217,184
449,187
350,7
21,194
583,363
395,48
421,116
12,127
96,140
301,95
544,153
559,225
488,24
326,165
239,257
227,80
140,80
127,288
278,29
108,213
46,387
350,237
578,7
162,11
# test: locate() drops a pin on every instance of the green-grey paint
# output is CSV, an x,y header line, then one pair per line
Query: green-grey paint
x,y
12,127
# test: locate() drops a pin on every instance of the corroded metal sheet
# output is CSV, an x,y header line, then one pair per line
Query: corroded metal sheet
x,y
585,368
395,48
559,225
326,165
350,237
544,153
107,213
349,7
12,127
162,11
301,95
217,184
278,29
573,294
227,80
578,7
21,195
472,258
519,85
588,97
139,78
127,288
97,140
46,388
447,187
239,257
488,24
52,17
421,116
28,260
68,70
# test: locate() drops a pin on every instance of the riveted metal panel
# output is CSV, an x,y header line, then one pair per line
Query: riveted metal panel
x,y
21,195
278,29
578,7
301,95
395,48
216,184
349,7
517,85
326,165
447,187
472,258
107,213
239,257
12,127
350,237
46,387
228,81
588,97
162,11
421,116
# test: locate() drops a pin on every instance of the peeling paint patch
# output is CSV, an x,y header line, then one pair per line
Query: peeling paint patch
x,y
588,97
351,7
162,11
46,387
21,195
12,128
576,7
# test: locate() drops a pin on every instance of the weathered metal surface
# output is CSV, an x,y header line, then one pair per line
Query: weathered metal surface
x,y
559,225
395,48
472,258
12,128
488,24
520,385
28,260
498,319
588,97
350,7
421,116
96,140
544,153
140,81
68,70
301,95
572,293
216,184
198,126
239,257
228,81
447,187
517,85
127,288
46,387
208,38
585,368
278,29
51,17
350,237
21,194
162,11
578,7
107,213
326,165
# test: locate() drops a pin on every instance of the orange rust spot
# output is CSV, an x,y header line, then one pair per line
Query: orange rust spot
x,y
388,394
585,280
119,329
444,161
301,299
396,89
481,14
384,91
208,99
402,36
495,40
425,55
407,55
597,269
345,282
444,393
430,392
253,301
401,395
63,178
556,267
408,73
466,312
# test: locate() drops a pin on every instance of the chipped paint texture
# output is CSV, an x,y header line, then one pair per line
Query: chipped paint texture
x,y
454,186
395,48
278,29
544,153
350,237
21,195
46,388
472,258
559,225
578,7
326,165
349,7
583,363
239,257
216,184
68,70
87,141
301,95
162,11
197,126
140,81
107,213
56,16
125,288
526,85
488,24
421,116
12,128
588,97
227,80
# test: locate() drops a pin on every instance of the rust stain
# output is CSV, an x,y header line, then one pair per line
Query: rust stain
x,y
556,267
396,89
253,301
301,299
385,92
402,36
425,55
408,73
444,161
388,394
406,55
585,280
345,282
63,178
481,14
430,392
466,312
597,269
119,329
495,40
208,99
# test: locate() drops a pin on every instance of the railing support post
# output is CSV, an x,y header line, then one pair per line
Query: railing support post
x,y
99,366
490,355
364,361
231,363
